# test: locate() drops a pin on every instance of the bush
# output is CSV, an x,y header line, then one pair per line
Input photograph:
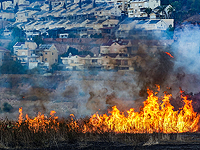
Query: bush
x,y
12,67
7,107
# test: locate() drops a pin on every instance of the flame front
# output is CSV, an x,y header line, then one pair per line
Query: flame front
x,y
41,122
153,117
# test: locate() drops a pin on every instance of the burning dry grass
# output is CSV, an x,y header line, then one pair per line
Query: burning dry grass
x,y
66,136
155,124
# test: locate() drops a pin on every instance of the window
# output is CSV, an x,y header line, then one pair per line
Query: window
x,y
94,60
52,53
125,62
56,60
45,59
45,53
118,62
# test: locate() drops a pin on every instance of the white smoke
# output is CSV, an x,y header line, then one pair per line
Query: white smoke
x,y
187,49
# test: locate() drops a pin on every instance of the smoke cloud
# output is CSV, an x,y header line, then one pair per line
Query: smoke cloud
x,y
86,92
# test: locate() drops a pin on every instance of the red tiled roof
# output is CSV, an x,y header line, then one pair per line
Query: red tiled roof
x,y
120,42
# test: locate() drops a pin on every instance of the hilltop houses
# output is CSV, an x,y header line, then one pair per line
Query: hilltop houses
x,y
32,56
58,21
54,19
137,7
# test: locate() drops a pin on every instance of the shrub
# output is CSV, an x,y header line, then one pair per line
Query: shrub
x,y
7,107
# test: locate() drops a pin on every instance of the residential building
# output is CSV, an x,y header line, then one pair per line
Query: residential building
x,y
72,62
19,2
110,23
39,15
23,6
125,27
7,14
107,62
7,4
48,55
24,15
152,24
107,11
7,33
34,61
137,7
115,47
23,50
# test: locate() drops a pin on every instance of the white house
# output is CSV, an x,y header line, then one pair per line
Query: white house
x,y
137,6
7,14
152,24
22,16
23,50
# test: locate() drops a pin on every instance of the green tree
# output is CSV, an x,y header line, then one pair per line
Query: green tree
x,y
38,40
148,11
7,107
12,67
18,35
50,6
86,53
71,50
170,12
94,4
196,5
176,5
36,70
170,32
64,6
55,67
96,35
79,3
71,35
162,10
16,8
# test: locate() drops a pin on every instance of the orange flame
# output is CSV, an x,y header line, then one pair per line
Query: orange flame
x,y
169,54
20,116
41,122
153,117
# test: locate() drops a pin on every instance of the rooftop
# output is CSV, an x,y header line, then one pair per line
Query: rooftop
x,y
19,43
120,42
143,22
153,21
45,46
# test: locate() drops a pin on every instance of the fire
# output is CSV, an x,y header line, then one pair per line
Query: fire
x,y
169,54
155,116
41,122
